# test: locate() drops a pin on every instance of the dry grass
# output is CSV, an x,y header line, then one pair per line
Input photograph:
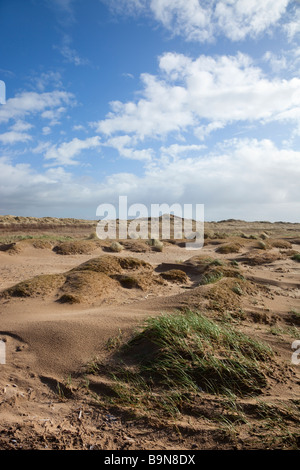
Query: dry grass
x,y
75,247
257,258
116,247
143,281
136,246
85,286
175,275
229,248
38,286
283,244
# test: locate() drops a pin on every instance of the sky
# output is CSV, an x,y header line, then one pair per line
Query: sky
x,y
163,101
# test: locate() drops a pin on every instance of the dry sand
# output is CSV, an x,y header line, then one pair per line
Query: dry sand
x,y
43,404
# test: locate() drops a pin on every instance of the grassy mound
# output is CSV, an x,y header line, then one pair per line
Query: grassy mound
x,y
283,244
42,244
225,296
141,281
104,264
42,285
229,248
186,352
136,246
76,247
202,262
85,286
111,265
89,281
175,275
133,263
257,258
213,270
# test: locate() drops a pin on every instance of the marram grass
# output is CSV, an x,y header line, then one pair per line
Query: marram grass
x,y
189,352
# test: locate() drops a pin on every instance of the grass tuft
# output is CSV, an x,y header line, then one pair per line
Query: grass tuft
x,y
180,353
116,247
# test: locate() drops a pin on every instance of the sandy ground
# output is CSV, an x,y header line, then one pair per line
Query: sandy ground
x,y
48,343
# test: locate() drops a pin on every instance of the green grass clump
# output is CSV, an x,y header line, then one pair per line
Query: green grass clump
x,y
156,245
237,289
229,248
211,277
261,245
190,352
296,257
116,247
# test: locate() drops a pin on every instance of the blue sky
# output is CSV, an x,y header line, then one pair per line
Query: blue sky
x,y
162,101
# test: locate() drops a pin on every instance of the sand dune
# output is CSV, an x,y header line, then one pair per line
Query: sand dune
x,y
58,312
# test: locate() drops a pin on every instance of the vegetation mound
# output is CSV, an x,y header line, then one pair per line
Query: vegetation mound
x,y
90,281
136,246
283,244
176,356
142,281
212,269
41,285
228,248
10,248
257,258
76,247
175,275
85,286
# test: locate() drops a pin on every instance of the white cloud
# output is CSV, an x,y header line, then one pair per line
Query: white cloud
x,y
13,137
248,179
241,18
292,27
21,126
206,19
78,127
28,103
185,17
204,131
46,130
41,147
277,63
70,54
202,95
176,150
53,115
124,145
47,79
65,153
